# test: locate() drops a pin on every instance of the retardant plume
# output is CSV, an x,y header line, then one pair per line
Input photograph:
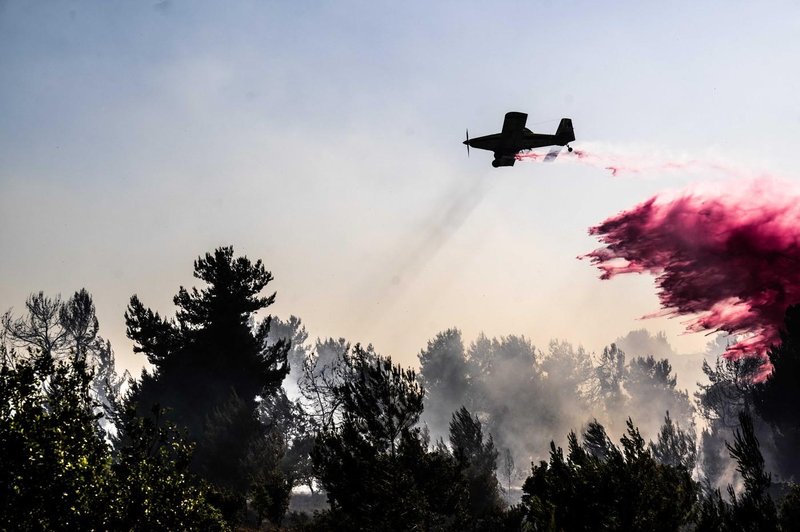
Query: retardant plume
x,y
529,155
633,161
732,259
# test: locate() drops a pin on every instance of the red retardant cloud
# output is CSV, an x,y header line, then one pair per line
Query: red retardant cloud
x,y
732,259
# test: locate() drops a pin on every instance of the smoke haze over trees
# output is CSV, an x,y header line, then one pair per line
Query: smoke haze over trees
x,y
242,417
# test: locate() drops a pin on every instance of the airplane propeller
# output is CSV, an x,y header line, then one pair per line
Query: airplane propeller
x,y
467,142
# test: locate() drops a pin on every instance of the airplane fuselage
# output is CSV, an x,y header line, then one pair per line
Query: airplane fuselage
x,y
515,138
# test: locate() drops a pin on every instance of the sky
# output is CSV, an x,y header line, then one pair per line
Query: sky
x,y
324,138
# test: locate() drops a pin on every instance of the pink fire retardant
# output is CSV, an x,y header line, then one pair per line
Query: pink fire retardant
x,y
730,258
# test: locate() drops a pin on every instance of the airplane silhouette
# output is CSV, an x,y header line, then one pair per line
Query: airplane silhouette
x,y
515,138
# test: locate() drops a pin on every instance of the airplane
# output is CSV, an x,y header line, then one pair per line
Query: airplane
x,y
515,138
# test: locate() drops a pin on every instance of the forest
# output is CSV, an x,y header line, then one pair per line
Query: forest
x,y
242,421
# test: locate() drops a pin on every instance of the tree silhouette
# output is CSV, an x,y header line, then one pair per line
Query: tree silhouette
x,y
600,486
58,471
211,364
776,399
63,330
477,459
674,446
375,465
55,464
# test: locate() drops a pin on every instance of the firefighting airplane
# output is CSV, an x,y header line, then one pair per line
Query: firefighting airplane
x,y
515,138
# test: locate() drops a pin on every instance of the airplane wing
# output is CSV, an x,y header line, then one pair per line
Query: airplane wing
x,y
514,125
510,138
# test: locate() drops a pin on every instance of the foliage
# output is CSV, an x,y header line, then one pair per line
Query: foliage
x,y
445,375
508,468
790,508
56,466
675,447
324,371
476,458
753,508
59,472
382,402
781,389
155,490
211,365
64,329
601,486
610,376
729,390
293,332
374,464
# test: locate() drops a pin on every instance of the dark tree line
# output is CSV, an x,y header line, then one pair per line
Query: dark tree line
x,y
236,411
59,471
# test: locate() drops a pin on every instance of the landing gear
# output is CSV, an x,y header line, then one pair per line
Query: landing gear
x,y
569,148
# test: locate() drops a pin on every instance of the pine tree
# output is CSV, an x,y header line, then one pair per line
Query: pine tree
x,y
674,446
600,486
776,399
375,464
211,364
477,458
445,375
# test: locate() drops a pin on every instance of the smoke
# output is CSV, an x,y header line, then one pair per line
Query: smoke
x,y
731,258
423,243
438,227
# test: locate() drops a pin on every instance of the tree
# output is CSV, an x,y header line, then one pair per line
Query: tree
x,y
600,486
211,363
324,372
505,381
293,332
651,387
610,377
776,399
41,328
374,464
642,342
477,459
63,329
729,390
509,469
445,375
675,447
154,488
54,327
753,508
58,471
383,400
289,428
790,508
570,374
55,472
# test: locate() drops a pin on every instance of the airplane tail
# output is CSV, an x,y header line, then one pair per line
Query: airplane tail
x,y
565,133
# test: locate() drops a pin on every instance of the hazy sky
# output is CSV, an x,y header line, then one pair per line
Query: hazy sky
x,y
325,139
